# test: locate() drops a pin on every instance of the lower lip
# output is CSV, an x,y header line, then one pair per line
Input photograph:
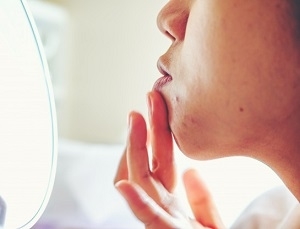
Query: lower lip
x,y
161,82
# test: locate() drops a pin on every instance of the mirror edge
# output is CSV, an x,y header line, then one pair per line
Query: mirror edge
x,y
52,114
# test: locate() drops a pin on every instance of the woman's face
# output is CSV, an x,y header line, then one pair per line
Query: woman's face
x,y
230,66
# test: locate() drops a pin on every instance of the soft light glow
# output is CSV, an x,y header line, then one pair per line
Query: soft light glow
x,y
27,161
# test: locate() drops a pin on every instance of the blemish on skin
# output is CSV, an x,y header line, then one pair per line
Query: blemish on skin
x,y
193,120
241,109
175,99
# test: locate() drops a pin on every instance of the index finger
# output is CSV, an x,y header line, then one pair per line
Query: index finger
x,y
161,141
137,153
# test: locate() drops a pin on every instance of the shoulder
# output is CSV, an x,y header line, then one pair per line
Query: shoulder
x,y
270,210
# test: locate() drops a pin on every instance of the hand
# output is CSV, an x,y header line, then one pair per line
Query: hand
x,y
149,192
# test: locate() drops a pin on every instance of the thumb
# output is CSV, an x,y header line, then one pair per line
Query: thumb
x,y
201,201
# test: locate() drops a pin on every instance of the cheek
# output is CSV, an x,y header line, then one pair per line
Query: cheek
x,y
186,121
208,125
221,94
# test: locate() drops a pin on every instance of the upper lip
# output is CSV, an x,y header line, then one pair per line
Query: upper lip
x,y
161,66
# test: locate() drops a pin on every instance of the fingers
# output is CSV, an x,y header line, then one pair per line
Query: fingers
x,y
145,208
201,200
137,155
134,161
161,141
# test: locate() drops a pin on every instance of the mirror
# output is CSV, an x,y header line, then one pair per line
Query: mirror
x,y
27,118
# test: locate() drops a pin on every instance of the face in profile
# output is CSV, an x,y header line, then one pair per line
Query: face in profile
x,y
230,72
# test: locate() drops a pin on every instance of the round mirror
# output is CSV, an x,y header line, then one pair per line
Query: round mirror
x,y
27,119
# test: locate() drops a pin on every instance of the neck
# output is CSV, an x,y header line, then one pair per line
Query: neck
x,y
288,169
283,156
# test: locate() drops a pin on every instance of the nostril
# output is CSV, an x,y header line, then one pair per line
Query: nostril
x,y
161,24
160,21
169,35
163,20
172,19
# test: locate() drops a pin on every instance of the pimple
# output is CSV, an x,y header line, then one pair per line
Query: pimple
x,y
193,120
175,99
241,109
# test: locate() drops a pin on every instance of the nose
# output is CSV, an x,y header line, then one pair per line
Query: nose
x,y
172,19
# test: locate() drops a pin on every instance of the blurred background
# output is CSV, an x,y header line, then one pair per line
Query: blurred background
x,y
102,57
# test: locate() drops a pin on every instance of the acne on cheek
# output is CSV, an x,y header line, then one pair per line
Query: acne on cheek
x,y
176,99
241,109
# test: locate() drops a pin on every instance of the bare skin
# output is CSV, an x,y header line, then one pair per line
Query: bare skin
x,y
233,89
149,193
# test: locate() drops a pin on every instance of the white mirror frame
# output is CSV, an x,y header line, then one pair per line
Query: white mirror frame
x,y
28,142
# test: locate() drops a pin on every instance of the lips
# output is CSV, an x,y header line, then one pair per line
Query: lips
x,y
161,82
166,78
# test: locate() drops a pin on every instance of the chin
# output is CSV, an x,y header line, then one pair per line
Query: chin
x,y
196,149
189,148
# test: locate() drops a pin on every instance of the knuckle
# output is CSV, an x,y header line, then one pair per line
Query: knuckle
x,y
151,222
